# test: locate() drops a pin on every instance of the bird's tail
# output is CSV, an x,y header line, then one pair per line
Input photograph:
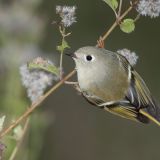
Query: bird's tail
x,y
152,114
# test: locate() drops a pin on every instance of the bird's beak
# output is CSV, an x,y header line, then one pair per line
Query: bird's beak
x,y
71,55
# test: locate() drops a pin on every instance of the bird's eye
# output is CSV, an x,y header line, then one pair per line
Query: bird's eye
x,y
89,58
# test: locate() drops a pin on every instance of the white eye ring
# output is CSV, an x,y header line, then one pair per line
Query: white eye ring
x,y
89,58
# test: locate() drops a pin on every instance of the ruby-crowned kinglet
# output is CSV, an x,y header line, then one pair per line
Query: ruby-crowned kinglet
x,y
107,80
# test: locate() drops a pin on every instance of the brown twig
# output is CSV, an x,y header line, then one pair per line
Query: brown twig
x,y
120,7
35,105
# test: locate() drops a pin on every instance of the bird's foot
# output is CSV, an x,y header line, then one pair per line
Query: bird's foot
x,y
75,85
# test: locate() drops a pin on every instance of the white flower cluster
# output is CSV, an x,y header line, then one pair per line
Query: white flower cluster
x,y
149,8
35,81
130,56
67,14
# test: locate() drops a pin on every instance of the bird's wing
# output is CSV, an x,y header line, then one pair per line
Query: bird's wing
x,y
141,98
121,108
138,93
128,112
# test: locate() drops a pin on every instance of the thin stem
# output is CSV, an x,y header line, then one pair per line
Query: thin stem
x,y
35,105
128,10
19,143
61,65
120,8
109,31
137,18
62,31
115,13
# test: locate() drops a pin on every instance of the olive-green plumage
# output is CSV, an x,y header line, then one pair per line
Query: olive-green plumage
x,y
107,80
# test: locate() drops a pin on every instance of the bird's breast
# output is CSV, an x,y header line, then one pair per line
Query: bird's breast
x,y
108,86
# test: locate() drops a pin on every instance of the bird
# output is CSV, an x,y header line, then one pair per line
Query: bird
x,y
107,80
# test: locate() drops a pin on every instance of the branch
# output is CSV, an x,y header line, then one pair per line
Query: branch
x,y
35,105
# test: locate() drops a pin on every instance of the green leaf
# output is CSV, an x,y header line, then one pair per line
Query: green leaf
x,y
127,25
63,46
112,3
45,65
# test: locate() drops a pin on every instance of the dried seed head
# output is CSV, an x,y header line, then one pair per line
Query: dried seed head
x,y
130,56
36,81
67,14
149,8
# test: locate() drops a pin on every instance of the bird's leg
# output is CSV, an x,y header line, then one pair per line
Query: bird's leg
x,y
74,84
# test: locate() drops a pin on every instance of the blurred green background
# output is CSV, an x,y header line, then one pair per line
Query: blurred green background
x,y
65,126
